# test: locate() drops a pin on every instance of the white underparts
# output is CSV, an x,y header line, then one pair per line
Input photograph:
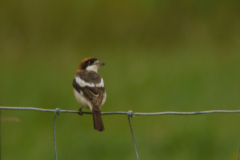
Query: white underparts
x,y
82,100
104,98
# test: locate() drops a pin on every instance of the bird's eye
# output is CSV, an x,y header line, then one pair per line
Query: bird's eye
x,y
90,62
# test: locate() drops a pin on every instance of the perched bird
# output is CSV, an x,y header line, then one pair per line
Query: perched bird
x,y
88,88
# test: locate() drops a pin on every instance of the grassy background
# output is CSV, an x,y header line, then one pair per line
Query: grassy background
x,y
159,55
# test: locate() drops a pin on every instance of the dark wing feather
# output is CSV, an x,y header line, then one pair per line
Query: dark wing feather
x,y
76,85
95,95
89,76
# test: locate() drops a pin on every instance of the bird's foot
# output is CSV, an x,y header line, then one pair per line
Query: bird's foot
x,y
80,111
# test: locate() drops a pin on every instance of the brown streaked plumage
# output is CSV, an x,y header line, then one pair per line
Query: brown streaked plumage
x,y
89,89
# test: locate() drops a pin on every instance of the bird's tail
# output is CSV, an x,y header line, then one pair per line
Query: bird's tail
x,y
97,120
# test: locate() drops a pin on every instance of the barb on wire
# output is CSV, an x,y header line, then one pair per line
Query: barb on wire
x,y
57,111
130,114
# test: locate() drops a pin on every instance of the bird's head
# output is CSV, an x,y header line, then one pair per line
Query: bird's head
x,y
90,64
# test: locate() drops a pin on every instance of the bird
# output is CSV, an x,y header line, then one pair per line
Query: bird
x,y
89,90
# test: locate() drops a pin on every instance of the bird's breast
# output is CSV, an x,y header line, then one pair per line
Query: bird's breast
x,y
81,99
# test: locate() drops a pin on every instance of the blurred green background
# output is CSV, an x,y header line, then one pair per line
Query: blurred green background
x,y
160,56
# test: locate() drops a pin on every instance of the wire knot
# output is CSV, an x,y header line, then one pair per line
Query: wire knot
x,y
57,110
130,113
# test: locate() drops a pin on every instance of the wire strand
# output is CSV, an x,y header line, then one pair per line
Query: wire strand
x,y
130,114
54,135
122,112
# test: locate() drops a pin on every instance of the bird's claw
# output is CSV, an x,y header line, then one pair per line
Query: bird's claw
x,y
80,111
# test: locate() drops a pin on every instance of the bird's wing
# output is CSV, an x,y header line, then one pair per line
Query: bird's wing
x,y
92,86
95,95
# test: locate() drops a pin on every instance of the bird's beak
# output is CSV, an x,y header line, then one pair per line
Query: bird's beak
x,y
100,63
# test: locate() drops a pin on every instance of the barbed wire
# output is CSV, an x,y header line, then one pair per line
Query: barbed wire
x,y
129,115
